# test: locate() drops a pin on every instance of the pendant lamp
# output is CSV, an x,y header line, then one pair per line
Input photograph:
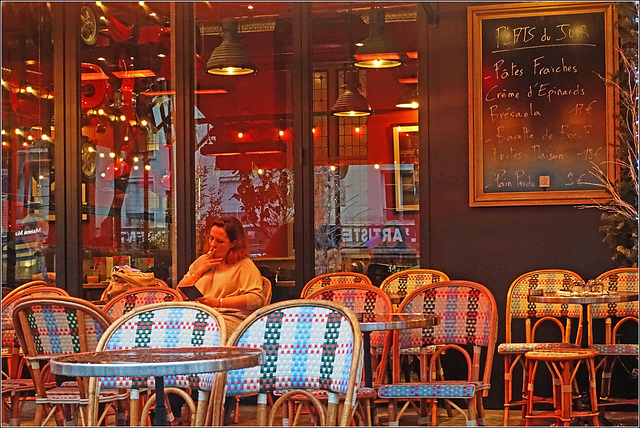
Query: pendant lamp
x,y
230,58
377,50
351,102
409,98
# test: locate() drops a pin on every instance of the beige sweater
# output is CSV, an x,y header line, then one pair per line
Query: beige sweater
x,y
241,278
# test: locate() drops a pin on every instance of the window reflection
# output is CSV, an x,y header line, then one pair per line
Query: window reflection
x,y
28,175
126,100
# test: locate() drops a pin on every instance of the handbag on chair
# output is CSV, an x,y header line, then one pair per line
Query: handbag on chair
x,y
125,278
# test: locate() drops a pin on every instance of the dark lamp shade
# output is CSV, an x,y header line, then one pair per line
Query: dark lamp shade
x,y
351,102
408,99
377,50
230,58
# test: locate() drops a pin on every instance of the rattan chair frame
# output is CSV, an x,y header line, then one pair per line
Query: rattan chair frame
x,y
333,417
136,418
614,319
430,371
532,323
26,286
326,280
83,309
167,291
366,400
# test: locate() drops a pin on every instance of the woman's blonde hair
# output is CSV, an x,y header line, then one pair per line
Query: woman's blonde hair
x,y
235,232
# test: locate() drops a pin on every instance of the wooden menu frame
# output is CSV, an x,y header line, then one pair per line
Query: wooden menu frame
x,y
405,167
495,178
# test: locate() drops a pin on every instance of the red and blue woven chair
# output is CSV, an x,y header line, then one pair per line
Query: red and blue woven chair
x,y
12,354
525,316
137,297
161,325
50,326
309,344
366,299
404,282
468,324
334,278
616,316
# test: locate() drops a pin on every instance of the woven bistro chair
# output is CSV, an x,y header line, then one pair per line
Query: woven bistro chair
x,y
267,292
468,324
309,344
367,299
137,297
12,354
616,316
520,311
25,286
161,325
404,282
51,326
334,278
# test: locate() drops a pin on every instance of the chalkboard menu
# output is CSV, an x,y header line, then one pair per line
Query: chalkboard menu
x,y
541,116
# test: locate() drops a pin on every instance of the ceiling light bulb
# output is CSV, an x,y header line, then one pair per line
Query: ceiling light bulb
x,y
357,129
112,155
126,138
240,134
147,167
102,175
4,132
161,55
143,122
101,112
136,158
101,155
141,3
41,177
17,131
123,117
332,168
91,149
25,144
98,3
44,137
136,167
376,166
260,171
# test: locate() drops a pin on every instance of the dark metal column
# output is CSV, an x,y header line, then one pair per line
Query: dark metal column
x,y
68,125
183,220
304,242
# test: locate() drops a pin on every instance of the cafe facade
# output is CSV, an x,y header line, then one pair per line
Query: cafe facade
x,y
468,147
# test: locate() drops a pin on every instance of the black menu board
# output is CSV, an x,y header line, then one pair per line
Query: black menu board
x,y
541,115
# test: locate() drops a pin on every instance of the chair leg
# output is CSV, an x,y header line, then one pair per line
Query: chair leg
x,y
471,410
507,389
592,390
392,412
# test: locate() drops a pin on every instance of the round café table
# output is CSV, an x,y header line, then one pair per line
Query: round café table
x,y
584,299
157,363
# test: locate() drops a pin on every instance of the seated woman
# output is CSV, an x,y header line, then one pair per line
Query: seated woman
x,y
229,281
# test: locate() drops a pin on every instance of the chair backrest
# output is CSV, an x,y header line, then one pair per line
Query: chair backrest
x,y
161,283
56,325
137,297
362,298
25,286
467,313
308,344
163,325
549,280
267,290
9,338
334,278
404,282
624,280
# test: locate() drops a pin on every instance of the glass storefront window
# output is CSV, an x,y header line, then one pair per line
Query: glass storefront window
x,y
126,99
28,138
366,207
244,158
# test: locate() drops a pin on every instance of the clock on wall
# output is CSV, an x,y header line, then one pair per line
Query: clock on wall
x,y
88,26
